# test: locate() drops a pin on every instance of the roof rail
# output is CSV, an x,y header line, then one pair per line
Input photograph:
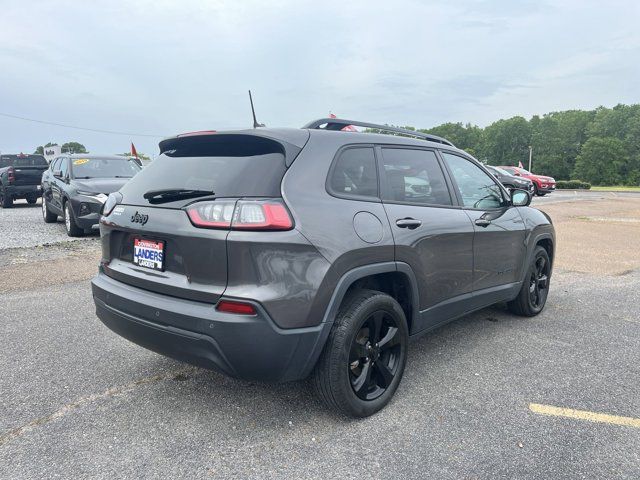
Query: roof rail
x,y
339,124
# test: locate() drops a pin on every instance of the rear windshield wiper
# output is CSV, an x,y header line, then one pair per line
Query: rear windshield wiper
x,y
173,194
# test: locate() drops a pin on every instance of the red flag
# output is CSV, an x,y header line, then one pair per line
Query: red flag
x,y
133,150
520,165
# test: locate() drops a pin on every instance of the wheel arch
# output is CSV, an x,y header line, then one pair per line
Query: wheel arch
x,y
394,278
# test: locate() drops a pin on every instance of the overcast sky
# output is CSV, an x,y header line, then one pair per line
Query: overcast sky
x,y
162,67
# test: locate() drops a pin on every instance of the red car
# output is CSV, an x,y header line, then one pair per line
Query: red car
x,y
542,184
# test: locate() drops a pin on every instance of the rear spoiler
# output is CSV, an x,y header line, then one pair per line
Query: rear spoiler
x,y
291,141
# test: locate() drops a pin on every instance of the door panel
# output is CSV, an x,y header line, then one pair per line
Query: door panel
x,y
498,246
431,234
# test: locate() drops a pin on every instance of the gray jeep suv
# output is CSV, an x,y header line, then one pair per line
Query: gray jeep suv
x,y
278,254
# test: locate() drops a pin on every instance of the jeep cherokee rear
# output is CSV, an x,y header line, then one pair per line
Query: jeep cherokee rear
x,y
275,254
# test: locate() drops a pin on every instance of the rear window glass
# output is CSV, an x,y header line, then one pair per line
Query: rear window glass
x,y
104,167
229,165
22,161
354,173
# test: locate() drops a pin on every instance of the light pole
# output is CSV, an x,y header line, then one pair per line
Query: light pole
x,y
530,153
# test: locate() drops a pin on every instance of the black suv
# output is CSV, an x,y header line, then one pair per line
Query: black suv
x,y
275,254
76,186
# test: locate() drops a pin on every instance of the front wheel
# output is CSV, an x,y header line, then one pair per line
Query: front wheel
x,y
535,288
73,230
47,215
364,358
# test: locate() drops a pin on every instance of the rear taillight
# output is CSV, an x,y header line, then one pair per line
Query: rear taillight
x,y
241,215
239,308
11,175
112,200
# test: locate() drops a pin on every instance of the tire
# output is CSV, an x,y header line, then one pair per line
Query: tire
x,y
5,200
47,215
355,376
31,199
70,222
535,288
535,190
541,194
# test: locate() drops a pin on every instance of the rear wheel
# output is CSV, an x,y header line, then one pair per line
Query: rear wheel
x,y
31,199
70,222
364,358
47,216
535,288
5,200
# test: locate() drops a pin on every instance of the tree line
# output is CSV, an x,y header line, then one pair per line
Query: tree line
x,y
600,146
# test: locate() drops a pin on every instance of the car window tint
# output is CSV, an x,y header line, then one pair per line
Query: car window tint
x,y
355,173
477,189
64,167
414,176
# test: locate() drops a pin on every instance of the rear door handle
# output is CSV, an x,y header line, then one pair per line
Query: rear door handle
x,y
483,222
410,223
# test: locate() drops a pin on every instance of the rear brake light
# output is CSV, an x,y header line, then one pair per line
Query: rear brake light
x,y
239,308
11,175
241,215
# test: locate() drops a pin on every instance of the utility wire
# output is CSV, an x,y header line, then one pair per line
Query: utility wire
x,y
110,132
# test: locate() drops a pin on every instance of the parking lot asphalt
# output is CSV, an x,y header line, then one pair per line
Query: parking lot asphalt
x,y
78,401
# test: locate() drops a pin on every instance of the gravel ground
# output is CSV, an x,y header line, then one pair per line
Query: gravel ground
x,y
22,226
78,401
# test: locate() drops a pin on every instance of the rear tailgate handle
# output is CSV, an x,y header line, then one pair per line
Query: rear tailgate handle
x,y
410,223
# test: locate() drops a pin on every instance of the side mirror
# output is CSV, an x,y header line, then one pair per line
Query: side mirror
x,y
520,198
57,173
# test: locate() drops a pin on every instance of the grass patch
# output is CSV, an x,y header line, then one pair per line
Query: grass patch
x,y
616,188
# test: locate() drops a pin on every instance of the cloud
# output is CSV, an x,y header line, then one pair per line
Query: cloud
x,y
165,67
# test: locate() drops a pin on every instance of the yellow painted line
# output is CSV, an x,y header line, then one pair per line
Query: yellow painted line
x,y
584,415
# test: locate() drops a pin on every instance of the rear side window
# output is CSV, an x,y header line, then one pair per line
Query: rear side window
x,y
229,165
23,161
414,176
354,173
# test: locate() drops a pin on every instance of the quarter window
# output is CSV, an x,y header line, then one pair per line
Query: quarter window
x,y
414,176
354,173
477,189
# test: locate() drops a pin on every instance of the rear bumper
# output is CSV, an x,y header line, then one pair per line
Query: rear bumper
x,y
21,191
247,347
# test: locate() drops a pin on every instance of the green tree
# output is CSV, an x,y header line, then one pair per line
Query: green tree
x,y
602,161
466,137
73,147
506,142
556,139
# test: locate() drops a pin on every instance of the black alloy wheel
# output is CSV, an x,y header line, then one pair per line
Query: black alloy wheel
x,y
375,355
539,282
364,357
535,288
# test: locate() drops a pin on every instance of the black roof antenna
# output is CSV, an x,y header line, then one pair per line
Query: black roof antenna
x,y
255,122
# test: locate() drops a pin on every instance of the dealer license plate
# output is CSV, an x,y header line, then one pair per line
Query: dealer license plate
x,y
148,253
